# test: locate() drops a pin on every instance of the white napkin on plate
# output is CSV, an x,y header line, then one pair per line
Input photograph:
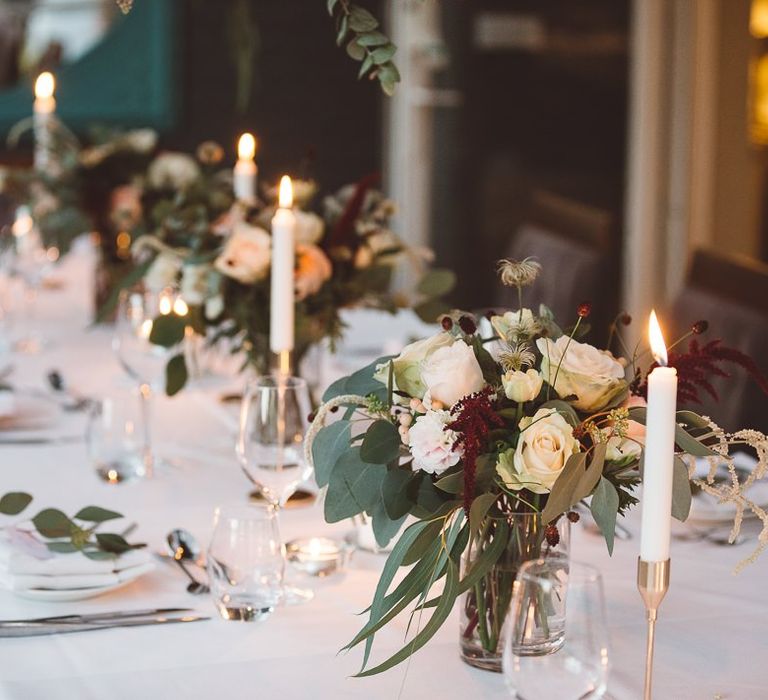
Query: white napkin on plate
x,y
21,569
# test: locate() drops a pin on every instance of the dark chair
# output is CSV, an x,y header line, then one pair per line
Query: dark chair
x,y
572,241
731,293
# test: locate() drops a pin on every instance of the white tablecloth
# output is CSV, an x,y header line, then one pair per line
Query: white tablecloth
x,y
711,639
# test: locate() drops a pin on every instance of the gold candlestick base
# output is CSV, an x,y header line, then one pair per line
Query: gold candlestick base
x,y
652,582
282,363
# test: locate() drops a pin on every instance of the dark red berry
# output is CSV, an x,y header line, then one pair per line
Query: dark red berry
x,y
467,325
446,323
552,534
311,417
700,327
334,409
573,516
584,309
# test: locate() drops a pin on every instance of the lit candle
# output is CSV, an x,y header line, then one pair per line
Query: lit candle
x,y
45,106
659,452
246,170
282,291
317,556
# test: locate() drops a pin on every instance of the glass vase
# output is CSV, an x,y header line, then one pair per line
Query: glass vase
x,y
485,606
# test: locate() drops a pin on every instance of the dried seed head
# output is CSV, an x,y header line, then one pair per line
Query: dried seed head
x,y
518,273
700,327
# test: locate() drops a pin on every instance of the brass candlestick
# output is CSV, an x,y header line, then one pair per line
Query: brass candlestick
x,y
282,363
652,582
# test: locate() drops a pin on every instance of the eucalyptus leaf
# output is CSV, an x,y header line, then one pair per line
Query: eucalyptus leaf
x,y
604,507
355,51
61,547
331,5
437,283
373,38
95,514
681,490
384,527
330,443
14,502
112,542
451,483
394,492
383,54
365,66
593,473
431,309
479,509
167,330
176,374
354,486
52,523
381,443
683,439
561,497
98,554
360,20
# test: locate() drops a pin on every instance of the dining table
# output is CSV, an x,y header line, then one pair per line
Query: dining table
x,y
712,633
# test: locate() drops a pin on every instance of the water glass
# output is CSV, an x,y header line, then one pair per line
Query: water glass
x,y
565,597
117,438
270,447
245,562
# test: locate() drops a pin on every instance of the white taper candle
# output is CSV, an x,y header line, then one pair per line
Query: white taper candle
x,y
246,171
282,284
44,108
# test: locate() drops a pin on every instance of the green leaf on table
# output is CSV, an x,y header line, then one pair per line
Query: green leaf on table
x,y
98,554
381,443
330,443
95,514
112,542
394,492
384,527
14,502
436,283
168,330
51,523
360,20
176,374
61,547
561,497
354,486
681,490
604,507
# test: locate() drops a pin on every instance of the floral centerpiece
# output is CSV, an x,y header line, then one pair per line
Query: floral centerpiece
x,y
193,237
494,445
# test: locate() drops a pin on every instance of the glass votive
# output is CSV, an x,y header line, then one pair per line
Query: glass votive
x,y
316,556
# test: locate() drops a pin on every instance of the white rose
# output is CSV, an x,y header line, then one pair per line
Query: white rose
x,y
246,255
515,325
407,365
451,373
172,171
431,444
140,140
313,269
594,376
522,386
162,272
194,283
545,444
309,227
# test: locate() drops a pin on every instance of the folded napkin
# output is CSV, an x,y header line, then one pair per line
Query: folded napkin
x,y
21,569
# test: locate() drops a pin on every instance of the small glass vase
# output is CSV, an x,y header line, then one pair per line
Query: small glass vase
x,y
484,607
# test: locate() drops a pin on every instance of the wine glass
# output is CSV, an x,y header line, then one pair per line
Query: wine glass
x,y
141,359
556,595
270,445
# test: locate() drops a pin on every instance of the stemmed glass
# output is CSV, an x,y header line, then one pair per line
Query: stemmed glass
x,y
556,595
142,360
270,445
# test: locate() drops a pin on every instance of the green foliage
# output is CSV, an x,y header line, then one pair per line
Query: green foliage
x,y
381,443
354,486
681,490
15,502
331,442
176,374
604,507
168,330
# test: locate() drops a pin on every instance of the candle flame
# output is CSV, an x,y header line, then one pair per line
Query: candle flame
x,y
285,198
44,85
165,305
180,307
246,147
658,346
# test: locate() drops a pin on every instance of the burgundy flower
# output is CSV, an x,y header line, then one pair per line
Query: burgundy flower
x,y
467,325
584,309
700,327
552,535
446,323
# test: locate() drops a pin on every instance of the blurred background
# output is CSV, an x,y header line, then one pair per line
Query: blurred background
x,y
621,142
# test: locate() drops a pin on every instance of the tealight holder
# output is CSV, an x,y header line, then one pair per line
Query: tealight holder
x,y
316,556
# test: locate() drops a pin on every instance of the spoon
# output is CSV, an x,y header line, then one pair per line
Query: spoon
x,y
74,402
183,547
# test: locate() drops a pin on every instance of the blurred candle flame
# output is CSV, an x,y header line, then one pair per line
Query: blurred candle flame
x,y
44,85
658,346
285,198
246,147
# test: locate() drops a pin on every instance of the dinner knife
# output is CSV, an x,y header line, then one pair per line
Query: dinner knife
x,y
39,629
102,617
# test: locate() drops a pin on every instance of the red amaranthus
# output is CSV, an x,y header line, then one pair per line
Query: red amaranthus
x,y
474,418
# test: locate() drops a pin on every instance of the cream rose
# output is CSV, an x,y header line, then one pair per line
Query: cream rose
x,y
432,444
522,386
313,269
451,373
309,227
595,377
407,365
246,254
172,171
546,442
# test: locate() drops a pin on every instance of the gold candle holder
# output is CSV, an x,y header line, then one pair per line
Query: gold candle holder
x,y
282,363
653,583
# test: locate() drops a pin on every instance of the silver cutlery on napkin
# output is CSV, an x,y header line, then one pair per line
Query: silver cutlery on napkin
x,y
101,617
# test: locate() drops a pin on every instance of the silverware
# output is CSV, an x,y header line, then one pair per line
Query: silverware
x,y
35,629
183,547
40,440
72,401
99,617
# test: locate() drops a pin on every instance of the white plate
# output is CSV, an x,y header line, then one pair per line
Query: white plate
x,y
54,596
30,413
